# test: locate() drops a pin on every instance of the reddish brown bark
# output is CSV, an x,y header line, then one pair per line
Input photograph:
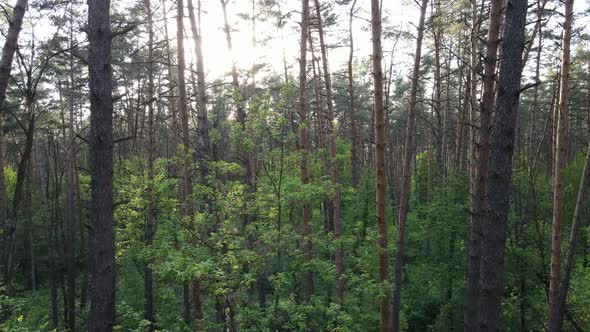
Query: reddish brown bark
x,y
554,319
480,168
303,147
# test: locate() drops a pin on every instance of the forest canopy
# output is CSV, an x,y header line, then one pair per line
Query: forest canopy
x,y
294,165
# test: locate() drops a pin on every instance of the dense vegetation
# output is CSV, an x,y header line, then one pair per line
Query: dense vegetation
x,y
434,182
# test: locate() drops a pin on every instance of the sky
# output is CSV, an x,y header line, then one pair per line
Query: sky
x,y
271,41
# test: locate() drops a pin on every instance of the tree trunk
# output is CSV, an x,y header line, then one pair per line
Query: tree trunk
x,y
203,124
406,171
304,146
102,308
334,163
554,323
10,46
50,224
70,222
187,204
480,168
151,149
354,130
499,175
380,154
569,257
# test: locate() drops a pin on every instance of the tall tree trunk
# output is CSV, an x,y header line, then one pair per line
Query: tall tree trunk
x,y
50,224
334,162
354,129
102,308
10,46
187,204
21,173
478,204
70,222
554,323
499,175
175,144
304,146
437,132
407,173
380,154
151,149
29,232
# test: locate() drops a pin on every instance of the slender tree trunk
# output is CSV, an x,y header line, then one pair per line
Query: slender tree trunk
x,y
151,150
494,226
407,173
304,146
334,163
10,46
187,205
437,131
554,323
29,233
50,224
380,154
203,124
569,257
102,308
478,203
354,130
70,222
17,197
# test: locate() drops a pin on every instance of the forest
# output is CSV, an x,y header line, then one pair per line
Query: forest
x,y
294,165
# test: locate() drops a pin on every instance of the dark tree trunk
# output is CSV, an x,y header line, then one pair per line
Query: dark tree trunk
x,y
151,149
70,222
499,175
21,173
10,46
102,307
50,224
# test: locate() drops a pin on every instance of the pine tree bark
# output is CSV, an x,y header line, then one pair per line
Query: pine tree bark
x,y
303,147
380,154
554,323
187,204
354,128
480,167
407,172
102,308
151,150
494,222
